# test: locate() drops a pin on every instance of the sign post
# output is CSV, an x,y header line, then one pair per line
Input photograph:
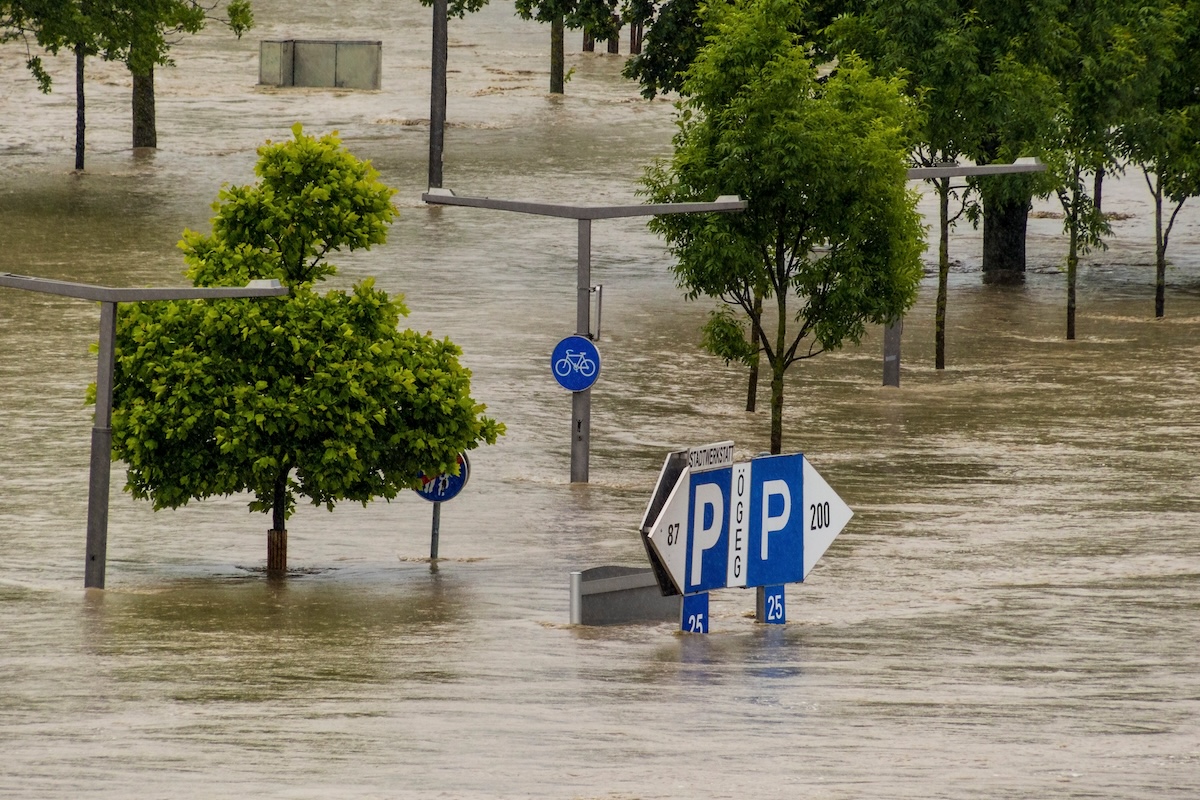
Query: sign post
x,y
100,465
715,524
439,488
581,401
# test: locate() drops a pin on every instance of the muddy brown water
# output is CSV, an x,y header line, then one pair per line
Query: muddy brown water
x,y
1014,611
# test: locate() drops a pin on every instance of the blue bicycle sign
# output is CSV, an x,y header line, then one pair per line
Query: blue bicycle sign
x,y
575,363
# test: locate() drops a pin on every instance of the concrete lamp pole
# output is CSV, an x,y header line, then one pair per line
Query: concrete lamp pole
x,y
581,403
100,470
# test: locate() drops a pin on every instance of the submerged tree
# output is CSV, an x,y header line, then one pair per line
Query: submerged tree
x,y
152,27
138,32
598,17
1162,136
319,395
831,233
1113,52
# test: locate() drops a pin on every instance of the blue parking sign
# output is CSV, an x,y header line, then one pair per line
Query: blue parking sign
x,y
776,531
708,530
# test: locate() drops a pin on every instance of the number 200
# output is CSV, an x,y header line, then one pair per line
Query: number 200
x,y
818,516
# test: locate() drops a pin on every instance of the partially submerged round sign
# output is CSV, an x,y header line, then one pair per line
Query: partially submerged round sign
x,y
440,488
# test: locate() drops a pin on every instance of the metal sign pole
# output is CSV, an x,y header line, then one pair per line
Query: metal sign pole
x,y
437,526
100,471
581,402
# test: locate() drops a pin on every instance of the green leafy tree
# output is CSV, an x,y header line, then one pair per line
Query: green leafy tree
x,y
1162,135
84,27
831,234
674,35
136,32
152,27
1001,56
1112,51
931,45
974,96
676,30
598,16
314,395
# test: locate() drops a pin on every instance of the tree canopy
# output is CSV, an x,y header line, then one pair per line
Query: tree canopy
x,y
831,232
315,395
1161,132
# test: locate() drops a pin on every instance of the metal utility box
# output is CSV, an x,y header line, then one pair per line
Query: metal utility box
x,y
615,595
321,63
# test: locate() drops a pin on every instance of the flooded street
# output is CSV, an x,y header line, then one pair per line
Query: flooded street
x,y
1013,612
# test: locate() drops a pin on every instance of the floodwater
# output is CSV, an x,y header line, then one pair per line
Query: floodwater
x,y
1013,612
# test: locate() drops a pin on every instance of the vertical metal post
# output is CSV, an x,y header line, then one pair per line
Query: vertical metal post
x,y
891,353
576,598
581,402
437,527
100,471
437,93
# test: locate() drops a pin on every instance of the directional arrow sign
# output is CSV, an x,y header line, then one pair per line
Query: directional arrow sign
x,y
760,523
668,535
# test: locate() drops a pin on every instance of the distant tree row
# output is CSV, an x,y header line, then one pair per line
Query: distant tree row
x,y
138,33
1091,86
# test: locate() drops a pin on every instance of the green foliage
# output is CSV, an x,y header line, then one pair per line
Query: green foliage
x,y
137,32
320,391
673,38
312,197
459,8
724,335
677,30
830,224
594,15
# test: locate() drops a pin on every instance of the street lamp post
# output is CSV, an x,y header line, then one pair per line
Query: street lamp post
x,y
581,402
100,469
891,334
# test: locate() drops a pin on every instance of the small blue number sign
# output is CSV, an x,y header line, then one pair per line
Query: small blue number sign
x,y
575,363
695,613
440,488
774,611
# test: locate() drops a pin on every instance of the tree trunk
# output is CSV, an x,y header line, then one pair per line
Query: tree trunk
x,y
437,92
636,30
1072,257
755,333
589,42
943,188
1160,253
614,44
145,129
1004,224
777,407
80,122
277,536
1098,188
777,368
556,56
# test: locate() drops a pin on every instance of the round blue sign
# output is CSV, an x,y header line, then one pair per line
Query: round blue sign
x,y
440,488
575,363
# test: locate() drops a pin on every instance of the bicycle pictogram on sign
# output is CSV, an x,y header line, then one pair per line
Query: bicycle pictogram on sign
x,y
575,363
